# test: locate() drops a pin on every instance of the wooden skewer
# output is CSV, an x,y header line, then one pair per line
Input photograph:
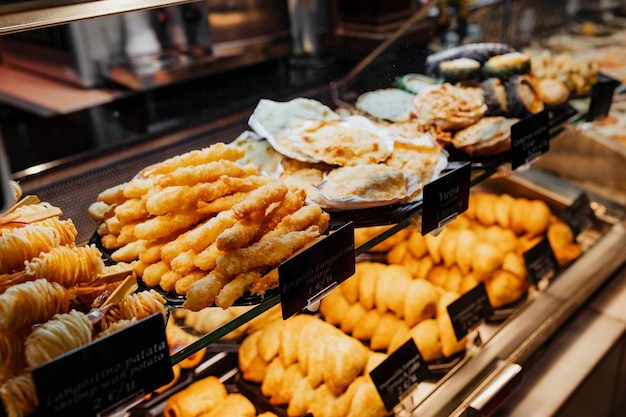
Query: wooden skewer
x,y
17,220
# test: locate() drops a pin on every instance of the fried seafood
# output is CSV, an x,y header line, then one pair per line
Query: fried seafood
x,y
32,302
19,396
138,305
57,336
212,153
208,172
23,244
67,265
269,252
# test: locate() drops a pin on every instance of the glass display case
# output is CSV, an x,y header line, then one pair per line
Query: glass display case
x,y
497,346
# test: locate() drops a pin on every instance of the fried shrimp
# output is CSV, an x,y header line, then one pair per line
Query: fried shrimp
x,y
57,336
221,204
19,396
300,220
241,233
209,172
202,293
294,199
266,282
135,306
67,265
32,302
235,288
260,199
212,153
269,252
161,226
131,210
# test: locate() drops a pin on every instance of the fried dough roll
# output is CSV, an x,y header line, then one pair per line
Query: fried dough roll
x,y
57,336
32,302
67,265
19,396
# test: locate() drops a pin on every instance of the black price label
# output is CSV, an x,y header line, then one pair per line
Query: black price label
x,y
469,310
446,197
540,262
580,214
601,97
530,138
106,371
306,277
399,373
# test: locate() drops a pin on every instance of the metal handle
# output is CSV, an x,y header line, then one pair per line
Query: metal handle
x,y
495,393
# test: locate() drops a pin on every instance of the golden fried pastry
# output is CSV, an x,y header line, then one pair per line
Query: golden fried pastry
x,y
466,239
433,244
503,210
426,337
386,328
291,379
398,253
290,336
364,329
417,244
251,365
504,287
399,337
269,341
375,359
438,275
519,211
301,399
421,302
199,397
559,234
273,377
486,258
326,404
447,248
567,253
538,218
367,285
366,401
514,263
344,359
503,238
485,212
234,405
334,307
353,316
449,343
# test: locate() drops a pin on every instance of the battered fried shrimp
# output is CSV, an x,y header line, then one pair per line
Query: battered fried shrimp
x,y
241,233
168,280
100,211
113,195
130,251
152,253
237,287
184,262
32,302
260,199
182,285
127,233
202,293
209,172
131,210
300,220
221,204
57,336
12,357
266,282
269,252
113,225
152,274
207,259
19,396
161,226
67,265
139,187
294,199
212,153
23,244
205,234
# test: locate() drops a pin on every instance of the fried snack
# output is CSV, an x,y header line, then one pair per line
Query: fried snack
x,y
269,340
251,365
269,252
57,336
67,265
206,233
325,404
23,244
449,343
241,233
364,328
19,396
504,287
113,195
422,302
203,292
207,172
334,307
138,305
221,204
182,285
290,337
183,263
177,339
199,397
266,282
131,210
32,302
235,405
236,288
426,337
114,327
260,199
287,387
215,152
387,326
353,315
273,377
294,199
162,226
301,399
486,258
366,401
344,360
153,273
12,356
306,216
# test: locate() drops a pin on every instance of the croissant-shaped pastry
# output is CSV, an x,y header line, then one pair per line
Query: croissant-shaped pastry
x,y
291,378
326,404
519,211
345,358
417,244
537,218
486,258
485,212
289,337
514,263
391,289
438,275
273,377
449,343
426,337
421,302
400,336
504,287
504,239
398,253
301,399
463,250
454,279
447,248
269,341
367,287
559,234
334,307
502,208
432,245
354,315
364,329
366,401
386,328
198,398
234,404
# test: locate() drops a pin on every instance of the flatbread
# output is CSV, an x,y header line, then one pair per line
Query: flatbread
x,y
345,142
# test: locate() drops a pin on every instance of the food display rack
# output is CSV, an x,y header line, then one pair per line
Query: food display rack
x,y
495,363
